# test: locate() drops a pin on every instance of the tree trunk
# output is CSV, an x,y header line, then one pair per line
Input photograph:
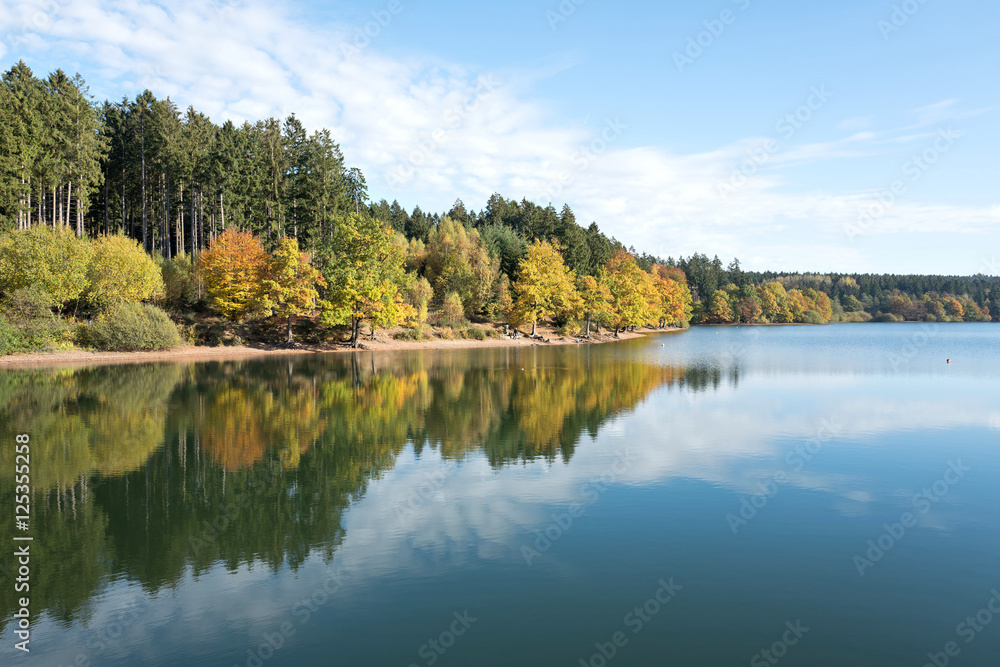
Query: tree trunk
x,y
533,323
356,331
165,225
145,210
106,206
180,218
69,198
194,227
201,216
290,340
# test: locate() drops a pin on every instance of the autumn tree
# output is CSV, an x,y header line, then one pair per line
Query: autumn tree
x,y
631,291
120,271
289,285
55,260
746,306
820,303
720,311
596,299
544,285
233,269
457,260
419,295
363,268
672,304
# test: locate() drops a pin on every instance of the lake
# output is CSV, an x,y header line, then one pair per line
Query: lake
x,y
721,496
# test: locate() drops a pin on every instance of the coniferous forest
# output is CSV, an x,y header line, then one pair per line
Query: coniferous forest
x,y
124,224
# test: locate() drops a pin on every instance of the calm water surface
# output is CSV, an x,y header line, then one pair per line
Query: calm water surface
x,y
827,495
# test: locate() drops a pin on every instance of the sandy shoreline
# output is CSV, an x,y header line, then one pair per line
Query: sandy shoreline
x,y
198,354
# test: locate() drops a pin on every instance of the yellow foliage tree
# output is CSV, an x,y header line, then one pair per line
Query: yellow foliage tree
x,y
720,309
120,271
774,303
596,299
54,259
673,302
289,286
544,285
631,291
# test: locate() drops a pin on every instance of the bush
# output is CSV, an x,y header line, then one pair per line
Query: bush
x,y
10,338
179,286
888,317
133,327
812,317
475,333
29,311
570,327
413,334
859,316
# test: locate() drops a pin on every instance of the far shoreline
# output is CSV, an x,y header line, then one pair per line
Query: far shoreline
x,y
197,354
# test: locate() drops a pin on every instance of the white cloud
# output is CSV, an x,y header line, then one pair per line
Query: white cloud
x,y
459,139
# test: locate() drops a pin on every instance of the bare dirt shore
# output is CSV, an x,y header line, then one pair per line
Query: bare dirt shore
x,y
382,343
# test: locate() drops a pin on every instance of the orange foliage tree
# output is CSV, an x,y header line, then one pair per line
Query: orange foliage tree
x,y
233,269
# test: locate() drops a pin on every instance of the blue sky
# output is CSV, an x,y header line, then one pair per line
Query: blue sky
x,y
850,136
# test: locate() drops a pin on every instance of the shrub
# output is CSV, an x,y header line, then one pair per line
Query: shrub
x,y
179,284
570,327
812,317
133,327
475,333
10,338
414,334
29,311
888,317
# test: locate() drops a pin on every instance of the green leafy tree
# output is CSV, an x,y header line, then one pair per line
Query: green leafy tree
x,y
289,285
363,268
747,307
